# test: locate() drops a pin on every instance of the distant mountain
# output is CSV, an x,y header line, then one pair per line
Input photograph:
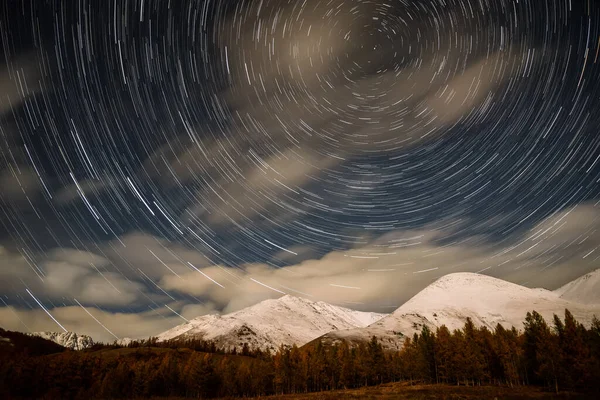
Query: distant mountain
x,y
452,298
288,320
585,290
449,301
70,340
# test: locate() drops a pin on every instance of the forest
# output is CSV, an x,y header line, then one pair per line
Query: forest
x,y
558,355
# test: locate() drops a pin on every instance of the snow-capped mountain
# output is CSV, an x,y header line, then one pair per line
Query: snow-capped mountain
x,y
70,340
288,320
585,290
452,298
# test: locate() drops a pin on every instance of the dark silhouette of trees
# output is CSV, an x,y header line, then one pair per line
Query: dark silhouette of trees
x,y
564,356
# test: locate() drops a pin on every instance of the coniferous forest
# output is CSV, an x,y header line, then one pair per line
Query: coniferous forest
x,y
557,355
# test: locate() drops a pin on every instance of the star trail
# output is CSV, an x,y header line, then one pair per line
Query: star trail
x,y
164,159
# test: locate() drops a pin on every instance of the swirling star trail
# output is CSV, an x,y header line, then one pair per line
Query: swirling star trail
x,y
165,159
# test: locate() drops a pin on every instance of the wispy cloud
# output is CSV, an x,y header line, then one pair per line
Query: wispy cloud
x,y
379,275
19,79
298,120
97,323
19,183
394,267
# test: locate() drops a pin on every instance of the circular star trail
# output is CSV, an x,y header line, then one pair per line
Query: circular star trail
x,y
270,132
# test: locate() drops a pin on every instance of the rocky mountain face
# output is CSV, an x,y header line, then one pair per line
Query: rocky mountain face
x,y
70,340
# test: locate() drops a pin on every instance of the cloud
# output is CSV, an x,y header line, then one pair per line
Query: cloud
x,y
379,275
76,319
85,188
77,257
155,256
260,191
19,79
19,183
301,79
304,98
89,285
68,274
298,252
191,311
394,267
467,91
123,272
14,268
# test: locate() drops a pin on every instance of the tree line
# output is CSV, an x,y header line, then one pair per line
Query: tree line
x,y
563,355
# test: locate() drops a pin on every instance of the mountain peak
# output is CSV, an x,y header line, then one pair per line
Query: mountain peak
x,y
453,298
291,299
460,279
477,292
287,320
585,289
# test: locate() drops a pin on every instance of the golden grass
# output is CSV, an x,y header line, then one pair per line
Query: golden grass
x,y
402,391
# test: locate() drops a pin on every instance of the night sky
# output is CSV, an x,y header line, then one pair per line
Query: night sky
x,y
160,159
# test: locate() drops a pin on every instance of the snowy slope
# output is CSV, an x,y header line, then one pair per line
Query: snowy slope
x,y
288,320
70,340
452,298
585,290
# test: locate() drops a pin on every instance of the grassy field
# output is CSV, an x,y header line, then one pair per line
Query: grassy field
x,y
401,391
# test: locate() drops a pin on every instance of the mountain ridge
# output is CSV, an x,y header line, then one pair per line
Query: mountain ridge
x,y
453,298
287,321
449,300
585,289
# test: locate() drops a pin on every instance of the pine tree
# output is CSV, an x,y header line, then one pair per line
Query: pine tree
x,y
593,341
202,378
492,370
474,361
459,360
443,354
426,343
374,359
508,351
575,352
408,357
548,356
534,329
298,370
346,363
281,363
